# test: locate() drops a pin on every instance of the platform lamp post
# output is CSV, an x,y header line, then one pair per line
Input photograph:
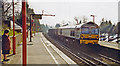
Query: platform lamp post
x,y
118,33
14,41
30,27
24,46
34,28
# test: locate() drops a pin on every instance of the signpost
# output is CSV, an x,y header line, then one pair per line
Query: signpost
x,y
36,16
33,16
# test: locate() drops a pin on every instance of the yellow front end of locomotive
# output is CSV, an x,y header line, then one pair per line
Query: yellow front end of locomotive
x,y
89,39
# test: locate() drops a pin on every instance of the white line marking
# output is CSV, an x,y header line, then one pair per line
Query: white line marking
x,y
63,56
49,52
66,58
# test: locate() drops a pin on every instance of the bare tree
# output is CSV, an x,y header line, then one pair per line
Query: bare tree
x,y
76,19
7,9
63,22
84,19
103,20
57,25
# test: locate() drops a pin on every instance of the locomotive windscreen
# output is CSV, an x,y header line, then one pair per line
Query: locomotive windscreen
x,y
89,30
85,30
94,30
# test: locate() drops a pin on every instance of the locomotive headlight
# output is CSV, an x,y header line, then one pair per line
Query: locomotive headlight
x,y
81,36
97,36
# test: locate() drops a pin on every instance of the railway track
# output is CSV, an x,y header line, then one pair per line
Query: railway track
x,y
81,55
113,60
86,58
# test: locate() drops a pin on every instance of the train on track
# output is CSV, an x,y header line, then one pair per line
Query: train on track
x,y
86,33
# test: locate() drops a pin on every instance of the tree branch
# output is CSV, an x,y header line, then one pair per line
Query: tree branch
x,y
7,9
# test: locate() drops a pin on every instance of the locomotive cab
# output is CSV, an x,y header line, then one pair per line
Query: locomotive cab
x,y
89,33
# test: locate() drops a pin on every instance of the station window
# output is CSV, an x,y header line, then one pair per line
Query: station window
x,y
60,31
72,33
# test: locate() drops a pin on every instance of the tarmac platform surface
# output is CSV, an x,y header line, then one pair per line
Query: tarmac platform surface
x,y
110,44
40,51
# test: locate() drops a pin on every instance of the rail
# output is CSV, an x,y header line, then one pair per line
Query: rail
x,y
86,58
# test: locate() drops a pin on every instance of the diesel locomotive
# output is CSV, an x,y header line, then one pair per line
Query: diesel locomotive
x,y
86,33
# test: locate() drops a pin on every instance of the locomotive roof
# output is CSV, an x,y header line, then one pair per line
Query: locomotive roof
x,y
91,23
76,26
73,26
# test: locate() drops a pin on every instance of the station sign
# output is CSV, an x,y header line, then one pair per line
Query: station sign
x,y
37,16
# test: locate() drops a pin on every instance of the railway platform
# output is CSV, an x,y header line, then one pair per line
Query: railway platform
x,y
110,44
40,51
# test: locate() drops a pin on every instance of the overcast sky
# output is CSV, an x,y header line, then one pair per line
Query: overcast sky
x,y
67,9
